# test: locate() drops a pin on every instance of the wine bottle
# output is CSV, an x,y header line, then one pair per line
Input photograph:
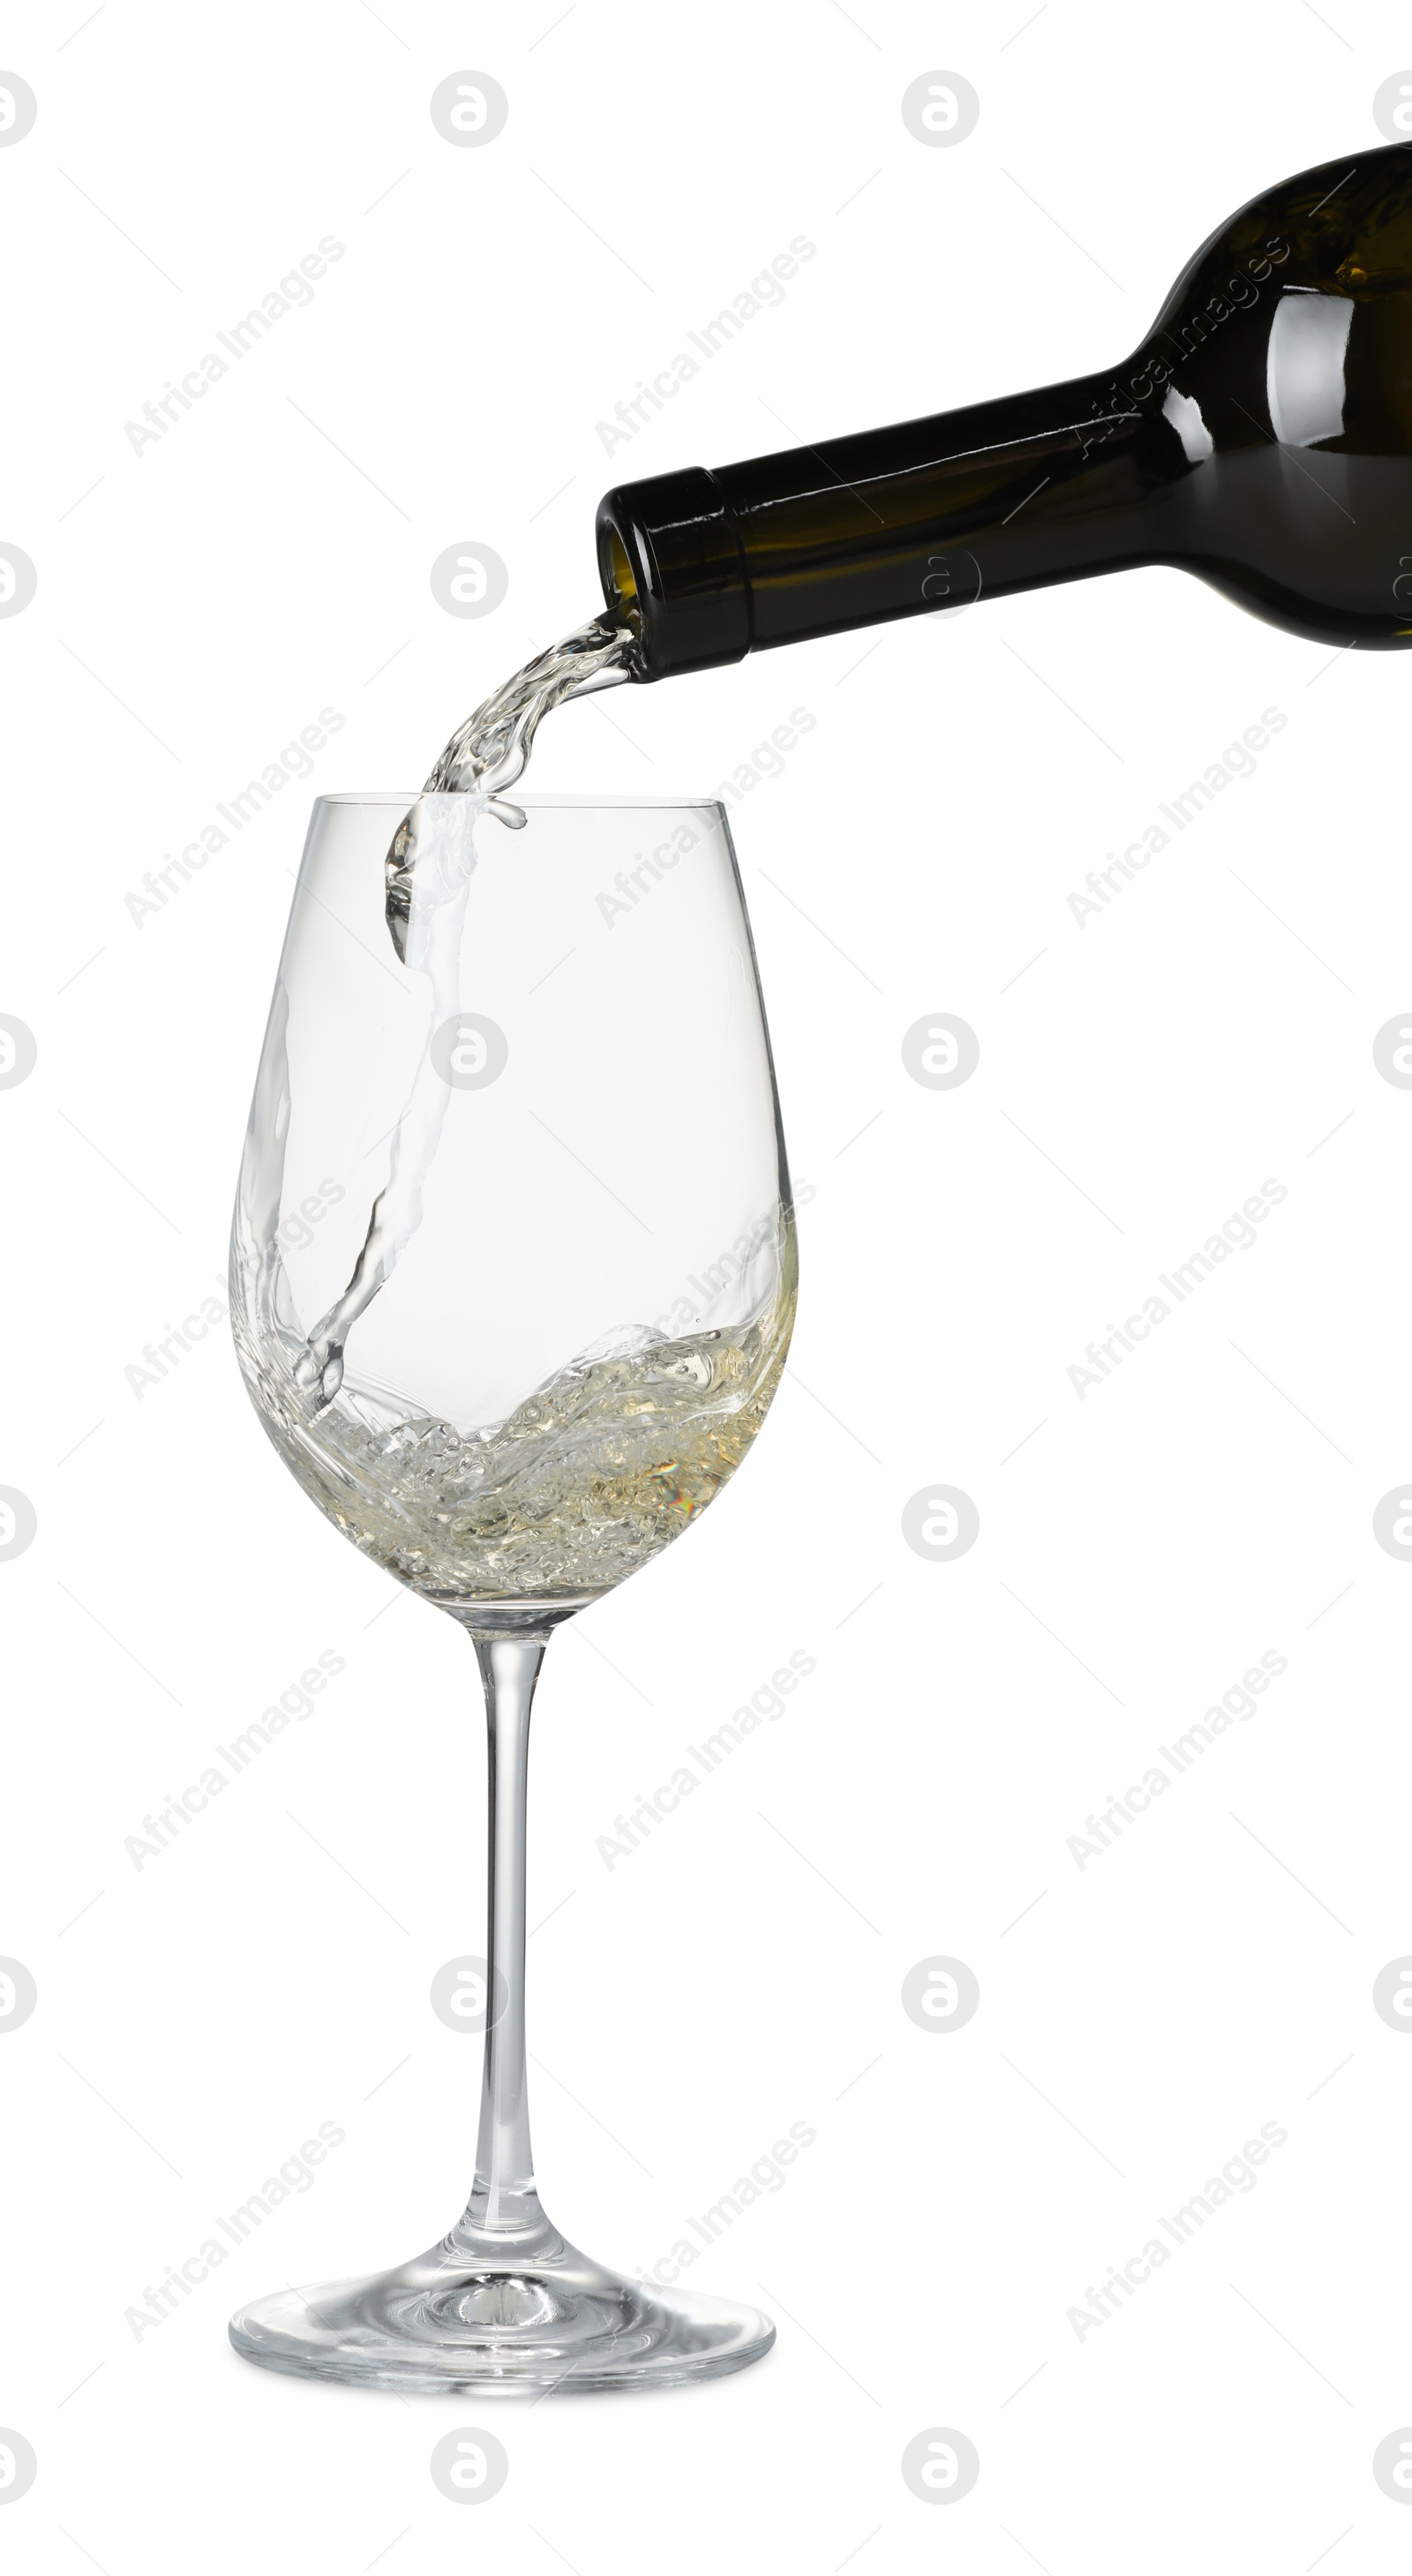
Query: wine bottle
x,y
1260,437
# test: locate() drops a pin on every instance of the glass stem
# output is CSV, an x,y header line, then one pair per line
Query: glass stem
x,y
504,2203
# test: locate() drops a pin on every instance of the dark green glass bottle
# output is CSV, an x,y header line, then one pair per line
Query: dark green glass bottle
x,y
1261,437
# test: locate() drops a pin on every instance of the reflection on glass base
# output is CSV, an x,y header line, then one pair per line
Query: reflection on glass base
x,y
451,2322
533,1620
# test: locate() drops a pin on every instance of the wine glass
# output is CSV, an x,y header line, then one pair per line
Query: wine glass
x,y
512,1281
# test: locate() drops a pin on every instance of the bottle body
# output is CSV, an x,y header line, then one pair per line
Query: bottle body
x,y
1261,437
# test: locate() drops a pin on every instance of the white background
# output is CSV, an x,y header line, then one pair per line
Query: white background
x,y
198,604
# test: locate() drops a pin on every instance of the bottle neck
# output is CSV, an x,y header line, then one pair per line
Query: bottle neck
x,y
930,514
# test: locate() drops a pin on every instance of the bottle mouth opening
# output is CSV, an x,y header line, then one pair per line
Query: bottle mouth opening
x,y
617,572
622,597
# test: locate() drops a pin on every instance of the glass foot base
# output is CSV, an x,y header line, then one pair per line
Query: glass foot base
x,y
486,2322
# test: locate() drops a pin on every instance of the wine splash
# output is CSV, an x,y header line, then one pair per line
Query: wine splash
x,y
428,870
585,1481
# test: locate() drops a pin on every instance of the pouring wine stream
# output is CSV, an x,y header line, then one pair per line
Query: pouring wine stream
x,y
429,866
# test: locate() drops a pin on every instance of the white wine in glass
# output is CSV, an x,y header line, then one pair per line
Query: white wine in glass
x,y
532,1329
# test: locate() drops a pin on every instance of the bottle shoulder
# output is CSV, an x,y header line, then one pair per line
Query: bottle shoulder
x,y
1295,318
